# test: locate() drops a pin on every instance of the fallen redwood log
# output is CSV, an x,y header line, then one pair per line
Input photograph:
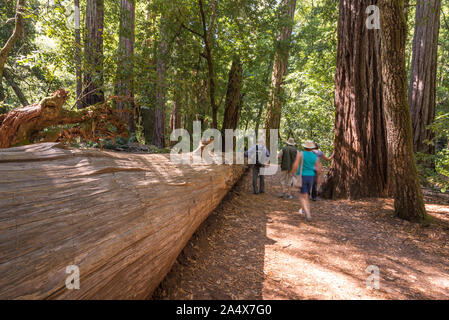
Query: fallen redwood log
x,y
121,218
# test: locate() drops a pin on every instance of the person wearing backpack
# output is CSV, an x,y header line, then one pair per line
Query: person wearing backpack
x,y
320,154
257,156
287,157
307,165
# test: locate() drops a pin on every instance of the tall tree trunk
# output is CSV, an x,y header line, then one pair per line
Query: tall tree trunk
x,y
78,74
264,100
360,166
280,66
175,118
208,39
161,89
422,90
93,53
125,65
4,52
233,95
408,196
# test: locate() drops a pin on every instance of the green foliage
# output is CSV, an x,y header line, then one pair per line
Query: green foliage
x,y
45,59
309,110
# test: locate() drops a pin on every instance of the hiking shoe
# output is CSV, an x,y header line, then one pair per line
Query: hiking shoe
x,y
282,195
301,212
308,217
289,197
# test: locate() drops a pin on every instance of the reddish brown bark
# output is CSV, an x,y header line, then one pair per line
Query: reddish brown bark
x,y
359,167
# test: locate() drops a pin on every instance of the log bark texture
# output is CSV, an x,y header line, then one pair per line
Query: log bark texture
x,y
121,218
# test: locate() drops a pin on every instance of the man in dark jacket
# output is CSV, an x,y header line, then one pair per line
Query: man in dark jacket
x,y
287,157
258,156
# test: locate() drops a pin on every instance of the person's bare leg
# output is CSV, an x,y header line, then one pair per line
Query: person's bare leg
x,y
305,205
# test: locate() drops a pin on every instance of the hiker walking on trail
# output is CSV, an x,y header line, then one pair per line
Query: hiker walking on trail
x,y
257,156
306,167
320,155
287,158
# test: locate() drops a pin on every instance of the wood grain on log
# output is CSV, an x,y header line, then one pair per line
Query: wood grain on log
x,y
121,218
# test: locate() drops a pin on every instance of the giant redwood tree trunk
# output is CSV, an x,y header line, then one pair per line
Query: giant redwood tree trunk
x,y
280,66
125,72
93,53
360,165
422,90
408,196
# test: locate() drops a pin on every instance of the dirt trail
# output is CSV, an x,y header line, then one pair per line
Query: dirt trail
x,y
259,247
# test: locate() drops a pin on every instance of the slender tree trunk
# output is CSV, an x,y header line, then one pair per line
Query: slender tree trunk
x,y
175,118
18,27
78,74
360,166
10,79
233,95
125,65
422,90
408,196
208,39
264,100
280,66
93,53
161,89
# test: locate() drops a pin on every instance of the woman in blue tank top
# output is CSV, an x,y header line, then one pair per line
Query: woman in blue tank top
x,y
310,164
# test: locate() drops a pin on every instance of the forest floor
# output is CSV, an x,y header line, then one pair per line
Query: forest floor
x,y
260,247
